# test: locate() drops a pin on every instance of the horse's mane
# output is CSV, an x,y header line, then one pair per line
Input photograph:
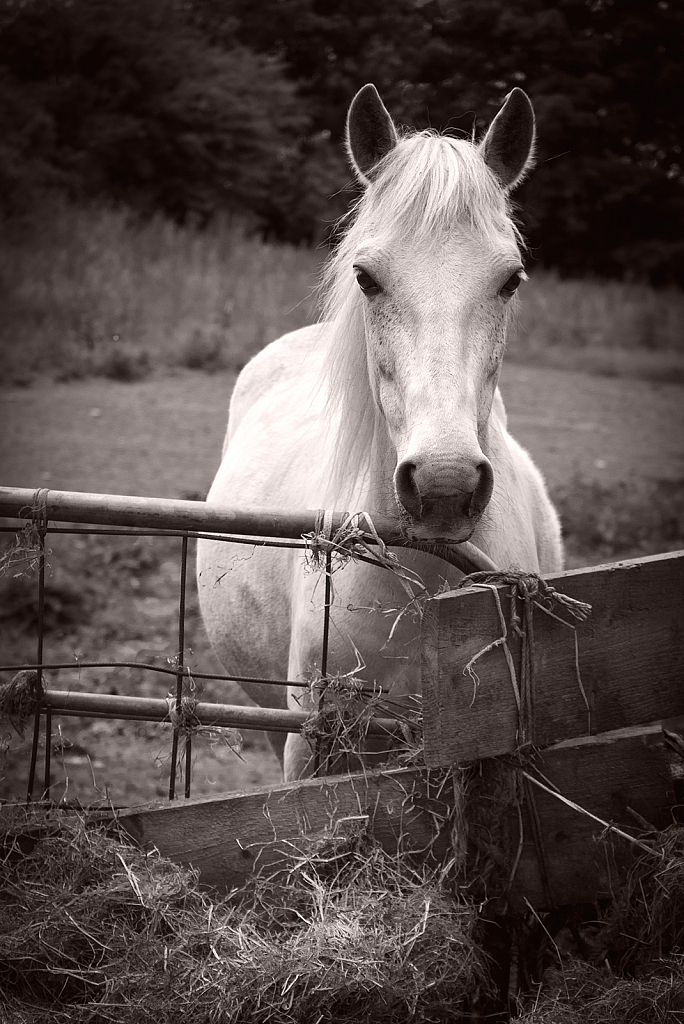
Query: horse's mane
x,y
426,186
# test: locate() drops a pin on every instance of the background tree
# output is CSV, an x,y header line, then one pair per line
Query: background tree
x,y
191,106
605,79
129,102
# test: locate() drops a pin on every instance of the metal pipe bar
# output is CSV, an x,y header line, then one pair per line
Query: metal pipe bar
x,y
198,516
163,513
155,709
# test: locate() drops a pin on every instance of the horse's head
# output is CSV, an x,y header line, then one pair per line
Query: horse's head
x,y
436,261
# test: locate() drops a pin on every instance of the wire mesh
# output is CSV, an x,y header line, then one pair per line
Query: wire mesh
x,y
44,710
113,515
181,752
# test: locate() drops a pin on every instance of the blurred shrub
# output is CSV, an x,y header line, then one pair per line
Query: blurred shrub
x,y
603,522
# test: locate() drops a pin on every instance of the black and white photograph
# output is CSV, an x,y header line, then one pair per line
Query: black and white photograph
x,y
341,511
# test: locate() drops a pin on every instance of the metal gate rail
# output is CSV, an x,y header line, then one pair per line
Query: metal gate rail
x,y
140,516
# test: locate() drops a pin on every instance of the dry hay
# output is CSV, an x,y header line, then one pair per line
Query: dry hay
x,y
593,995
17,705
22,555
93,929
629,967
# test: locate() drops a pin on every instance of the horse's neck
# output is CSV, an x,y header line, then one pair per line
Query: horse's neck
x,y
375,484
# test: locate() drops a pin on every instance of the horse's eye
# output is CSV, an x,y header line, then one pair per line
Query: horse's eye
x,y
368,285
511,285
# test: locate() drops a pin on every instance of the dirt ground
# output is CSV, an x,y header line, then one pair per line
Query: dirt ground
x,y
163,437
113,599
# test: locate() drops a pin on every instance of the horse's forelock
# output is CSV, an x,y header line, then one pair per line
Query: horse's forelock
x,y
431,183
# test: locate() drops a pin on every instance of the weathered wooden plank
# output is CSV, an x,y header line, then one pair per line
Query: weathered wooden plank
x,y
631,656
620,777
227,838
623,778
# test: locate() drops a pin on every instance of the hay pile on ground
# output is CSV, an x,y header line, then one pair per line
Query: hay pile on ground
x,y
92,929
588,994
632,968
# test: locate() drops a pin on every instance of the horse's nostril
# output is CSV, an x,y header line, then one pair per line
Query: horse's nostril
x,y
405,485
483,490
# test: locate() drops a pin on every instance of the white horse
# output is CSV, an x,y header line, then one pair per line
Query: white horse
x,y
389,405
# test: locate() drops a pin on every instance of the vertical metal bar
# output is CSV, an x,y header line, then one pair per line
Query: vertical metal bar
x,y
181,668
48,753
324,654
39,663
174,755
188,763
181,654
326,615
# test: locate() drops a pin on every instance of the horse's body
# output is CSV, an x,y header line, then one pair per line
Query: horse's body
x,y
389,405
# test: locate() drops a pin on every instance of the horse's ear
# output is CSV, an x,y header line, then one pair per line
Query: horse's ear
x,y
370,132
508,146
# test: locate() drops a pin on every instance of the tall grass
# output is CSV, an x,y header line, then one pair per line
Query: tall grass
x,y
87,291
608,327
92,291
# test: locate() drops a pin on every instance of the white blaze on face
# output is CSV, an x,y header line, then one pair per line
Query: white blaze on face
x,y
435,314
436,258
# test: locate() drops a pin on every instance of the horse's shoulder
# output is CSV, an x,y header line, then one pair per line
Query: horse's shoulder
x,y
279,358
281,361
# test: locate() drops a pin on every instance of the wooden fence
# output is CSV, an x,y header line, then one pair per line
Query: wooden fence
x,y
555,822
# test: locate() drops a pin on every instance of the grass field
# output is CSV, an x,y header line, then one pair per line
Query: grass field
x,y
90,292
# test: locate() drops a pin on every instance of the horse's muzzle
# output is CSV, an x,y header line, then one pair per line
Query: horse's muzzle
x,y
443,500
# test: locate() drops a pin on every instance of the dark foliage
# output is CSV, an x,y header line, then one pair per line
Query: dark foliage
x,y
206,104
606,80
129,102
